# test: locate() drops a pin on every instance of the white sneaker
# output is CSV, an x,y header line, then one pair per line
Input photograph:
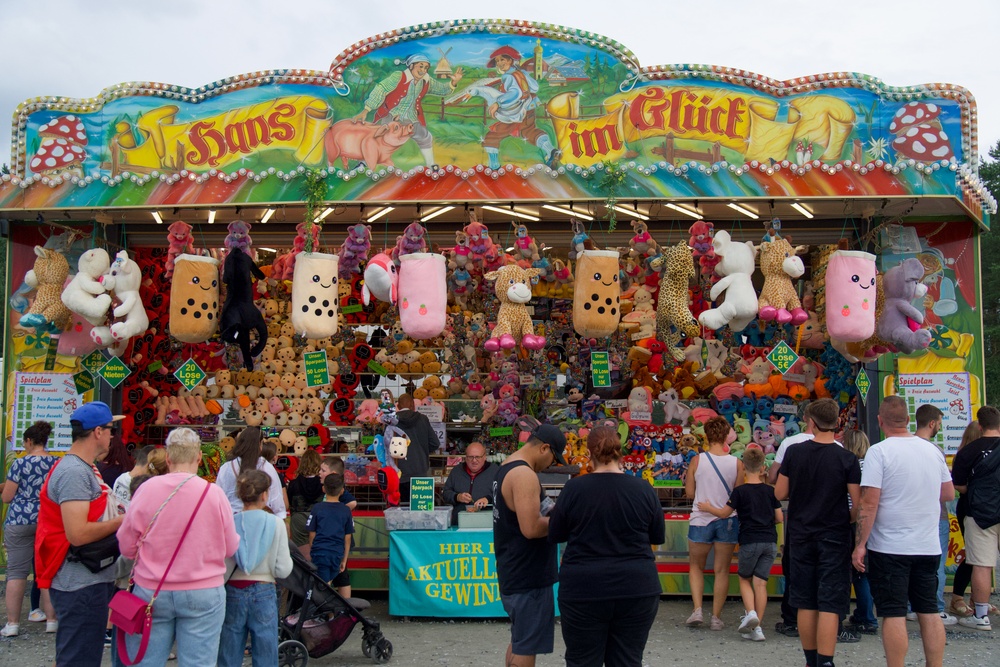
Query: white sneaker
x,y
748,623
948,619
976,623
36,616
755,635
911,615
51,626
10,630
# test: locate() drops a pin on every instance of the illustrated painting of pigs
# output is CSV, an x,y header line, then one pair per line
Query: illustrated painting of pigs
x,y
373,144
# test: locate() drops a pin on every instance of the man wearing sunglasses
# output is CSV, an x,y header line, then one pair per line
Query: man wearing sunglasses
x,y
470,485
77,509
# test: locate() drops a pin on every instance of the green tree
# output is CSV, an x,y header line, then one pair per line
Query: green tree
x,y
989,171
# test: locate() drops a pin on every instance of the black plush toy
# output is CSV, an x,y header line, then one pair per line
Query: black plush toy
x,y
239,314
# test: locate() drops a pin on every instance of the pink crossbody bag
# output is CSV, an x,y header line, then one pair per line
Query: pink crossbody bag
x,y
130,613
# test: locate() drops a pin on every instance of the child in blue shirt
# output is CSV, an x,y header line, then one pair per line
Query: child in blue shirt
x,y
330,527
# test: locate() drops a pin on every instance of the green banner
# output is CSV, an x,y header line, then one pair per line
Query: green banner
x,y
421,494
600,369
317,373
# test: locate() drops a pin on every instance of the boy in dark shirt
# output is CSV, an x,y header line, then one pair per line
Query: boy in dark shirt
x,y
759,511
817,477
330,528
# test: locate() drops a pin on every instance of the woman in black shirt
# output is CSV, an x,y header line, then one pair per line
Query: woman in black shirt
x,y
609,590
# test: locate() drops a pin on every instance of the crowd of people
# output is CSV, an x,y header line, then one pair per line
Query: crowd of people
x,y
871,518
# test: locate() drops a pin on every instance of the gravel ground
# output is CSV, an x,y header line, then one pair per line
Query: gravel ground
x,y
425,642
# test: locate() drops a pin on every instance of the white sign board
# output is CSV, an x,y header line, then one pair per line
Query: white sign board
x,y
949,393
48,397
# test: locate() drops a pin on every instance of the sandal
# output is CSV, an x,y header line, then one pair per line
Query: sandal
x,y
960,608
993,610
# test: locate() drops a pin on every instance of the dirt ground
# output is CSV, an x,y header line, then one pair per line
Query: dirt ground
x,y
432,642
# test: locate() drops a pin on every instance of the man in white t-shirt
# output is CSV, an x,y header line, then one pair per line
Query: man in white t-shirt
x,y
904,481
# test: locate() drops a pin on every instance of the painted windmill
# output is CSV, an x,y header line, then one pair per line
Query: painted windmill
x,y
443,69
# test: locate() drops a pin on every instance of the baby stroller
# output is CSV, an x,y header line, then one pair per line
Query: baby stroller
x,y
324,621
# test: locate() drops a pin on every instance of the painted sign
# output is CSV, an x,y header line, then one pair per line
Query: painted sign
x,y
600,369
316,368
48,397
948,392
421,494
495,110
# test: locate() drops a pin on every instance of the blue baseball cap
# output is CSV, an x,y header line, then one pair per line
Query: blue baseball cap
x,y
94,414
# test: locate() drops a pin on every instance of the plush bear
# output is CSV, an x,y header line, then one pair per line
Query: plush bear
x,y
85,295
900,323
354,250
180,242
736,268
779,262
48,277
413,240
238,237
123,278
642,244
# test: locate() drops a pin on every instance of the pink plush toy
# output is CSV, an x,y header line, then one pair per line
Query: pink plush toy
x,y
413,240
305,234
423,294
180,242
239,237
850,295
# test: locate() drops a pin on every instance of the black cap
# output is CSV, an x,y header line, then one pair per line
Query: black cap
x,y
552,437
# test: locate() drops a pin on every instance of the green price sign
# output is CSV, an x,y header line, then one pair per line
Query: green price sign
x,y
317,373
600,369
114,372
352,308
376,367
421,494
863,384
782,357
499,431
84,382
189,374
94,361
367,440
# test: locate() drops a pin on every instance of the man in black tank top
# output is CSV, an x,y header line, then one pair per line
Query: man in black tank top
x,y
526,562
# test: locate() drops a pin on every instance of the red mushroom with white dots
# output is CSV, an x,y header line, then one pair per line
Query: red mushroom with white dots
x,y
62,149
919,134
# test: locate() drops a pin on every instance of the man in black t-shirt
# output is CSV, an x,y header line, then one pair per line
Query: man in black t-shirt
x,y
816,477
526,562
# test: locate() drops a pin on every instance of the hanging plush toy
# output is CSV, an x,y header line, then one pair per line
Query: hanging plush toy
x,y
736,268
524,245
480,243
672,305
513,289
239,314
124,279
870,348
388,475
194,298
85,295
238,237
179,242
779,262
413,240
354,250
851,295
47,277
900,324
381,280
642,244
423,294
596,294
315,295
580,242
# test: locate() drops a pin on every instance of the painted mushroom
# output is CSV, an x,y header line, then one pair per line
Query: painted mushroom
x,y
61,152
925,143
914,113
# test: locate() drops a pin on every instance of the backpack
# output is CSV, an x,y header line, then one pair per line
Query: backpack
x,y
984,489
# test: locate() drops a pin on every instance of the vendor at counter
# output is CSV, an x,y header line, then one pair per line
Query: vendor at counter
x,y
470,483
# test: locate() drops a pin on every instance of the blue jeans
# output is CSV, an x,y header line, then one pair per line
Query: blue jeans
x,y
944,534
864,611
83,615
194,618
251,610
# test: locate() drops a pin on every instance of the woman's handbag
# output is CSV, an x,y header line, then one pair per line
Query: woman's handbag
x,y
129,612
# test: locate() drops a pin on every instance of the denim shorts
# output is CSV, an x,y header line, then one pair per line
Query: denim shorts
x,y
756,559
726,531
532,620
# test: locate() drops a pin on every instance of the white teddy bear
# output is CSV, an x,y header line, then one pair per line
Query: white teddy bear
x,y
123,278
736,267
85,295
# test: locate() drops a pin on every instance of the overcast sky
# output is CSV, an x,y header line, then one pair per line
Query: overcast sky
x,y
74,49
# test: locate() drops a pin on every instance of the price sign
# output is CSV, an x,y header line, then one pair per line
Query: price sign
x,y
600,369
782,357
367,440
376,367
421,494
527,380
114,372
863,384
317,373
189,374
352,308
94,361
84,382
498,431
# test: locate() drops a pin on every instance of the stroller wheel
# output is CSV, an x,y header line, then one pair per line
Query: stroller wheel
x,y
366,646
292,653
383,652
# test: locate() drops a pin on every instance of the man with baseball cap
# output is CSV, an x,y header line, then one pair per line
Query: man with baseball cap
x,y
76,509
526,562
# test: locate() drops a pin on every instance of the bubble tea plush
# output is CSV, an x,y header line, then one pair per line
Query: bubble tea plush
x,y
315,295
597,294
850,295
194,298
423,294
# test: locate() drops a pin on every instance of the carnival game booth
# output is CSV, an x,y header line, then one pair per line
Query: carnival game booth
x,y
511,221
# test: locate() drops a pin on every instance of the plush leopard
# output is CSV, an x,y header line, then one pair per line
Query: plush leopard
x,y
672,305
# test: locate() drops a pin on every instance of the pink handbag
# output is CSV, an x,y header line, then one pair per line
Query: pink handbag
x,y
130,613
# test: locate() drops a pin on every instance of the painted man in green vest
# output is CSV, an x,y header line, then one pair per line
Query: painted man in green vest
x,y
400,96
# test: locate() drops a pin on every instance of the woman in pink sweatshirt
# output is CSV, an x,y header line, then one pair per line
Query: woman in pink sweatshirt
x,y
191,605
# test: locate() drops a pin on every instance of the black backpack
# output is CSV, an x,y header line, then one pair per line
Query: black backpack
x,y
984,489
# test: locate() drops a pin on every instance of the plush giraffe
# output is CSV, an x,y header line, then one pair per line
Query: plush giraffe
x,y
672,304
779,262
513,289
47,276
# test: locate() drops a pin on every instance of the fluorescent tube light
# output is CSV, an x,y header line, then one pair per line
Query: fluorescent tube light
x,y
267,215
628,211
802,209
683,210
156,216
745,211
322,216
510,211
436,213
566,211
211,216
385,210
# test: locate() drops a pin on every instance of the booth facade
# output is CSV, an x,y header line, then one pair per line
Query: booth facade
x,y
514,123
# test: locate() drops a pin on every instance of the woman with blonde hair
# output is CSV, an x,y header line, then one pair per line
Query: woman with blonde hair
x,y
609,591
156,462
710,479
